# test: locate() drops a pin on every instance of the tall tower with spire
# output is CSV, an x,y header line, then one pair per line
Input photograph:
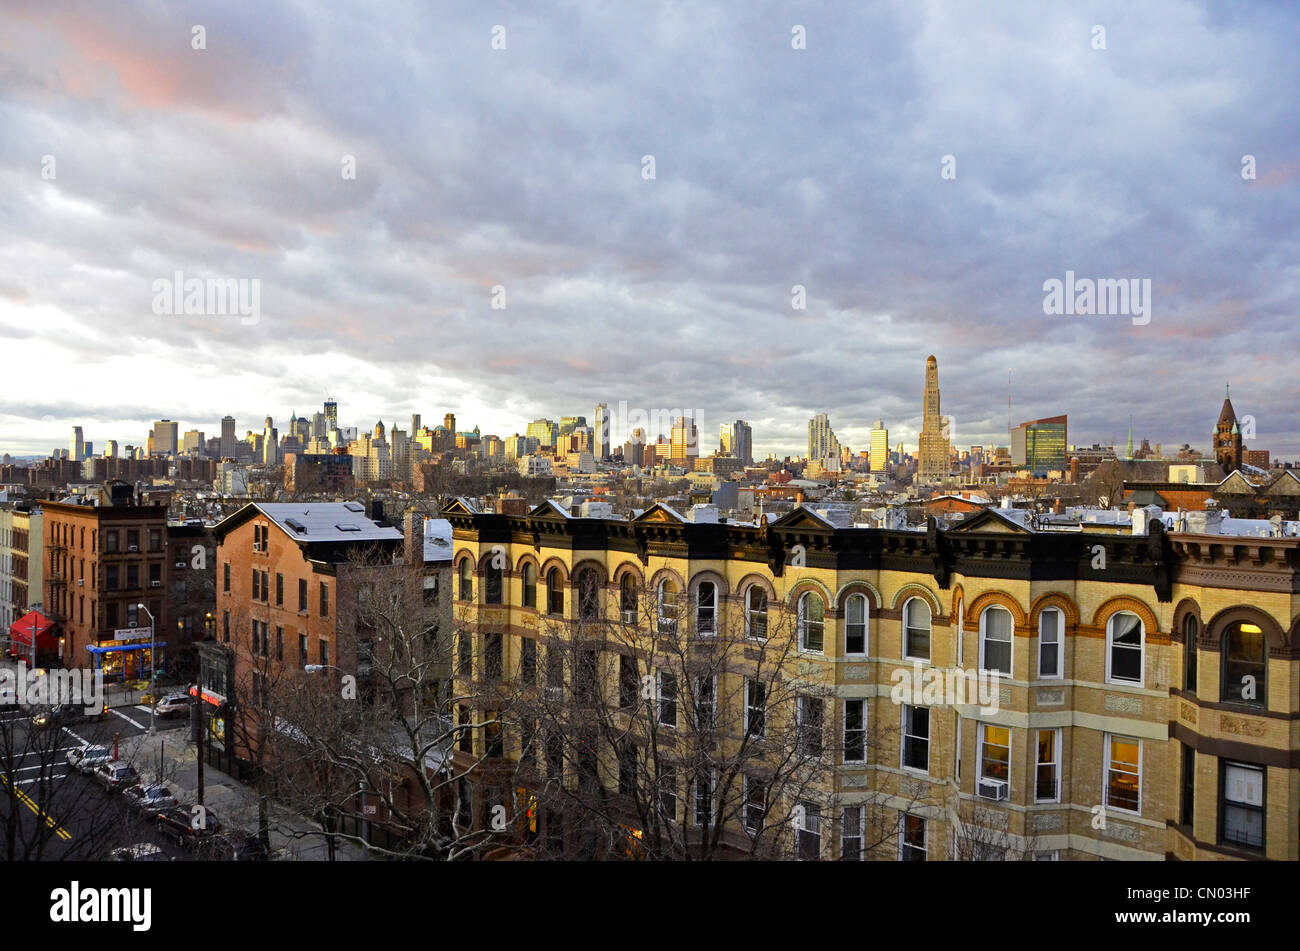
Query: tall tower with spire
x,y
934,463
1227,437
1128,448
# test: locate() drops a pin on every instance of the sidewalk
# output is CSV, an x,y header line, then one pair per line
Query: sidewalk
x,y
170,757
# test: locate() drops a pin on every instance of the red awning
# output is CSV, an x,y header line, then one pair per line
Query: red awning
x,y
33,623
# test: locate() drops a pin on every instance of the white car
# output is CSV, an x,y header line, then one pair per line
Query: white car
x,y
87,757
172,705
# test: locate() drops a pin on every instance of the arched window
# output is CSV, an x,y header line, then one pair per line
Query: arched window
x,y
1245,664
554,592
916,629
1191,629
1124,640
588,595
855,625
466,592
492,582
667,606
755,611
530,585
812,621
1051,640
995,640
627,598
706,608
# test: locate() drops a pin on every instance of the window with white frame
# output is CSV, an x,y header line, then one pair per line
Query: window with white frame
x,y
1241,814
703,799
812,622
666,786
667,601
911,838
855,731
810,721
808,831
1124,641
1047,768
855,625
995,640
755,804
1051,638
706,703
755,612
706,608
995,754
1124,773
916,629
667,699
916,738
755,708
851,834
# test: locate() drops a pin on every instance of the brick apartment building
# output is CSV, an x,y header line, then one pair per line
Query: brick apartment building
x,y
103,558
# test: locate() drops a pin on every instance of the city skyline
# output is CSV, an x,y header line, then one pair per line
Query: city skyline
x,y
842,263
901,434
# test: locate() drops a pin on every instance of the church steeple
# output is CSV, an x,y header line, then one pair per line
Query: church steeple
x,y
1227,436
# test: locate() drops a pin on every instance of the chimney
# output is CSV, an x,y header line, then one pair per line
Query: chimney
x,y
1057,507
375,510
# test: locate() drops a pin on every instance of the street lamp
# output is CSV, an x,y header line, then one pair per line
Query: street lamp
x,y
153,668
361,783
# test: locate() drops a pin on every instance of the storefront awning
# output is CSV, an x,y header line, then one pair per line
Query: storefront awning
x,y
33,623
132,646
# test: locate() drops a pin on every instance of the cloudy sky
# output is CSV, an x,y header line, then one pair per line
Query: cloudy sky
x,y
126,155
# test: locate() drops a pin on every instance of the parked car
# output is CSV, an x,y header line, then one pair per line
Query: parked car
x,y
172,705
178,822
148,799
234,846
65,714
114,776
140,852
86,757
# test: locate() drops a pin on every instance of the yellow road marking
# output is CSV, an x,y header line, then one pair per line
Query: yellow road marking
x,y
27,801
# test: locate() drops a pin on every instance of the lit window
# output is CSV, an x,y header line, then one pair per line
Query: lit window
x,y
1124,774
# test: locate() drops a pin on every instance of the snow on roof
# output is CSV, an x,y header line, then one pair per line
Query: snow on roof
x,y
326,522
437,539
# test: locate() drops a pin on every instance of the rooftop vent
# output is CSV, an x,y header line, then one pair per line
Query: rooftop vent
x,y
296,525
347,528
354,506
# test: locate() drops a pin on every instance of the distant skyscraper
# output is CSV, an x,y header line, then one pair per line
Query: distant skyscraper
x,y
933,462
737,439
879,455
270,444
822,444
165,437
602,431
110,451
227,437
685,443
415,425
76,446
544,431
1039,445
332,412
193,442
89,449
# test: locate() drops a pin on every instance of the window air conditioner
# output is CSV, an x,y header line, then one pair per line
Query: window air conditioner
x,y
995,789
155,584
132,547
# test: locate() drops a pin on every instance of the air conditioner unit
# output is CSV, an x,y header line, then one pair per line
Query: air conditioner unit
x,y
132,623
629,617
132,547
555,694
995,789
180,564
81,582
155,584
